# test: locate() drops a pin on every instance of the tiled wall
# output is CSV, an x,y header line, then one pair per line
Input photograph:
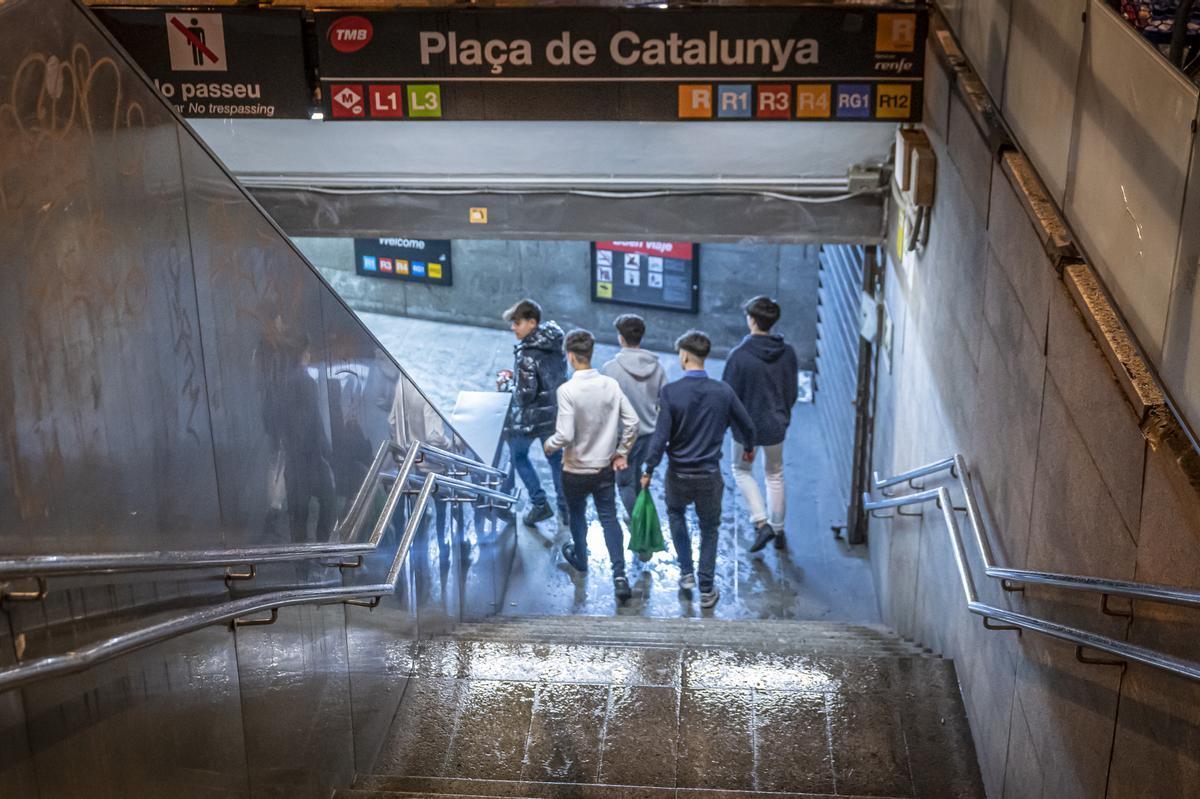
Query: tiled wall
x,y
1005,349
1110,126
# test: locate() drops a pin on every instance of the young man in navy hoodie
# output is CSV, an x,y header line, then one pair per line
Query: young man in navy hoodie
x,y
763,371
694,412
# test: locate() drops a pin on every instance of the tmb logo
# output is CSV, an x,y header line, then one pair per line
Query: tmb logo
x,y
350,34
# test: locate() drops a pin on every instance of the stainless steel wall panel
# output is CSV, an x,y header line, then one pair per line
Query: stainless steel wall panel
x,y
1044,49
264,356
1129,167
381,653
296,703
165,721
438,556
107,443
493,544
17,775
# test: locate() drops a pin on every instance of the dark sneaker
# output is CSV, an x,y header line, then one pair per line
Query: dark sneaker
x,y
765,533
621,587
687,582
568,551
538,513
780,540
709,598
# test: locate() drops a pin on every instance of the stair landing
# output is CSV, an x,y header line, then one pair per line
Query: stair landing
x,y
579,707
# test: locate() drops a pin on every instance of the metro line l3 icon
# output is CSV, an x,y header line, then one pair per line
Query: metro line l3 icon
x,y
196,42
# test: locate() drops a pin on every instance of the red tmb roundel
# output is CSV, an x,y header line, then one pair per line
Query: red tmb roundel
x,y
350,34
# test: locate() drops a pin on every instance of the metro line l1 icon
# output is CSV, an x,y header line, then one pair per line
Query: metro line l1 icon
x,y
196,42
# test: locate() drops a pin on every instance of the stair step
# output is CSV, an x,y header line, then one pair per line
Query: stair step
x,y
831,651
383,787
773,636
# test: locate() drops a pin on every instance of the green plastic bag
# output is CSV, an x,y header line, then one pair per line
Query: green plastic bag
x,y
645,531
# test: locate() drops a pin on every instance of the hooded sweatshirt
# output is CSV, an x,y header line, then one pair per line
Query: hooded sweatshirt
x,y
763,371
641,377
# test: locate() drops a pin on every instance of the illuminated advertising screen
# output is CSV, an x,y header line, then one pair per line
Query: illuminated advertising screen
x,y
411,260
655,274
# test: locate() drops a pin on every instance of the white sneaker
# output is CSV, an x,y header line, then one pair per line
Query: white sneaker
x,y
709,598
687,581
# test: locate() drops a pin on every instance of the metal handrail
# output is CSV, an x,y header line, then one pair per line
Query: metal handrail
x,y
31,566
1012,620
235,609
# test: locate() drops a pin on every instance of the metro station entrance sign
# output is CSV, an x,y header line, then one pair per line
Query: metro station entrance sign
x,y
815,62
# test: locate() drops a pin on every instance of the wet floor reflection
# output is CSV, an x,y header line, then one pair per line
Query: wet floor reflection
x,y
729,718
817,577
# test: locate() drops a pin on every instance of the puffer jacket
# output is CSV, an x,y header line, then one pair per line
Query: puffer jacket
x,y
540,368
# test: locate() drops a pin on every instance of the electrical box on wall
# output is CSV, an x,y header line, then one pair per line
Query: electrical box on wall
x,y
906,140
915,176
922,176
916,167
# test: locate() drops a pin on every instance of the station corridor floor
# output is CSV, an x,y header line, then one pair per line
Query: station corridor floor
x,y
817,577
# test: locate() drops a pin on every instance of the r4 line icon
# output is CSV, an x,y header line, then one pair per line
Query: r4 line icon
x,y
346,101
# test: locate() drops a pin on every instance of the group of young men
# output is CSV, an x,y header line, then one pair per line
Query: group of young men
x,y
607,430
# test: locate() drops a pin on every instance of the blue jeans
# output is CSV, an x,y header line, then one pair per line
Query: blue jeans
x,y
628,480
601,488
705,492
518,446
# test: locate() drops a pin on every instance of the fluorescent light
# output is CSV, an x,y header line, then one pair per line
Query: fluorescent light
x,y
318,115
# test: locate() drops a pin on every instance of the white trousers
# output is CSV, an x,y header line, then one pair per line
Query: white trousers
x,y
775,511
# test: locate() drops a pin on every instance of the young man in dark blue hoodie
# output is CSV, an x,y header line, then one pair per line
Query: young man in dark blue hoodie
x,y
694,412
763,371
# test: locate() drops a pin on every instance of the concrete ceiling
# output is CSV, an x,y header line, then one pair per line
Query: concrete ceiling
x,y
654,153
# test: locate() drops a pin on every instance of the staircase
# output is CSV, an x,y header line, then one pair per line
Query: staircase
x,y
637,708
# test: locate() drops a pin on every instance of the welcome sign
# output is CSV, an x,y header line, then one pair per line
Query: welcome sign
x,y
827,62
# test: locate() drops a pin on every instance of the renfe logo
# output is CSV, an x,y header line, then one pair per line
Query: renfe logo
x,y
350,34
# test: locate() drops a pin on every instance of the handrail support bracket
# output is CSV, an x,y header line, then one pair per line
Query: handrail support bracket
x,y
991,625
232,576
36,595
1093,661
1108,610
274,617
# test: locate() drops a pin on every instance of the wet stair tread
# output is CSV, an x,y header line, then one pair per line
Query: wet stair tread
x,y
765,635
383,786
643,708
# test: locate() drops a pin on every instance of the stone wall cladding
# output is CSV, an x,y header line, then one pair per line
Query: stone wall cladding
x,y
1079,462
490,275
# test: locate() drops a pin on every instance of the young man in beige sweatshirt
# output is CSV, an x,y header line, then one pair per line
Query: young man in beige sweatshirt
x,y
596,427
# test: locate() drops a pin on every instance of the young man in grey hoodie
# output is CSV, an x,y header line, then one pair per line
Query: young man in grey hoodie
x,y
641,377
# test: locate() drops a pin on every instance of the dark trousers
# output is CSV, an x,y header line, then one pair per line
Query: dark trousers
x,y
518,447
627,479
705,492
602,489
